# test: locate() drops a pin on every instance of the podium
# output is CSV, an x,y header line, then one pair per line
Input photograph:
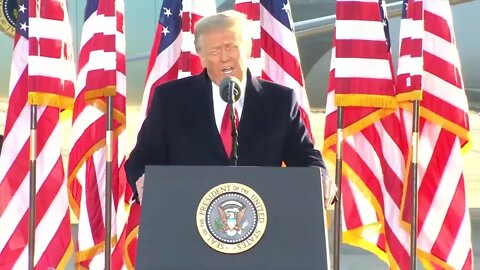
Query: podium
x,y
189,221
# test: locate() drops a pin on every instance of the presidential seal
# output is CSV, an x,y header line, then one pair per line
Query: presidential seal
x,y
8,16
231,218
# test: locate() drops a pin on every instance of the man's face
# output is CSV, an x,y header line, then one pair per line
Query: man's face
x,y
223,53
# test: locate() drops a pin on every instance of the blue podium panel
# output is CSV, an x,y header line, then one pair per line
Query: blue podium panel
x,y
294,235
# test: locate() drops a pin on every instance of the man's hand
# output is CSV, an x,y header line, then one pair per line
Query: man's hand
x,y
329,191
139,185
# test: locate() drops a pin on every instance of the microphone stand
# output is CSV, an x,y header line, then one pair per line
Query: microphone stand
x,y
233,118
234,155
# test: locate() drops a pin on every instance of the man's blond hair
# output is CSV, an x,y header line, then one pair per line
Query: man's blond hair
x,y
229,19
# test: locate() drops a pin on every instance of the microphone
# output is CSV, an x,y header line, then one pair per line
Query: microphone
x,y
230,89
230,93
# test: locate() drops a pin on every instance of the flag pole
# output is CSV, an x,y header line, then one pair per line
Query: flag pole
x,y
108,183
338,181
414,210
33,179
33,187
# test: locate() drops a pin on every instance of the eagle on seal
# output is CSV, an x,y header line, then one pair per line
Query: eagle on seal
x,y
232,220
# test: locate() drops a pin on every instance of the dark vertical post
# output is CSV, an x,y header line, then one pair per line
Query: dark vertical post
x,y
337,236
108,183
415,139
33,187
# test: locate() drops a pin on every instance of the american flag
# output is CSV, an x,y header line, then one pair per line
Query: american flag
x,y
251,8
192,11
444,233
164,63
101,73
410,61
403,84
172,56
275,52
374,146
43,38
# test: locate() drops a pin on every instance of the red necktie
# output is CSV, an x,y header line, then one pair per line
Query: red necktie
x,y
226,130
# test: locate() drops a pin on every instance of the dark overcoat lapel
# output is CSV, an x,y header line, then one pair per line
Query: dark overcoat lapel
x,y
205,125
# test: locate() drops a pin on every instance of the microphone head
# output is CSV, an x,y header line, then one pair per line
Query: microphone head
x,y
230,89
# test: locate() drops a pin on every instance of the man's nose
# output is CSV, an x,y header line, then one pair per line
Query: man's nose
x,y
224,55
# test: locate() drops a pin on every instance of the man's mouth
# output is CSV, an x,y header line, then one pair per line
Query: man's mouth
x,y
228,71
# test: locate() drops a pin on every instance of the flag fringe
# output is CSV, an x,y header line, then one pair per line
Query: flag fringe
x,y
406,186
49,99
71,198
410,96
443,122
429,260
355,237
99,248
102,92
118,115
356,127
365,100
66,257
130,237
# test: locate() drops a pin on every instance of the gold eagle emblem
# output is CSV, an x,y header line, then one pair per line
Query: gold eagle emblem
x,y
232,220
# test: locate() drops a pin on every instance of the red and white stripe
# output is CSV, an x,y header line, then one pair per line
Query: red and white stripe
x,y
375,159
374,145
50,37
251,8
372,179
444,233
282,59
275,56
416,45
363,61
101,70
53,244
162,67
193,11
403,83
410,61
180,58
123,194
